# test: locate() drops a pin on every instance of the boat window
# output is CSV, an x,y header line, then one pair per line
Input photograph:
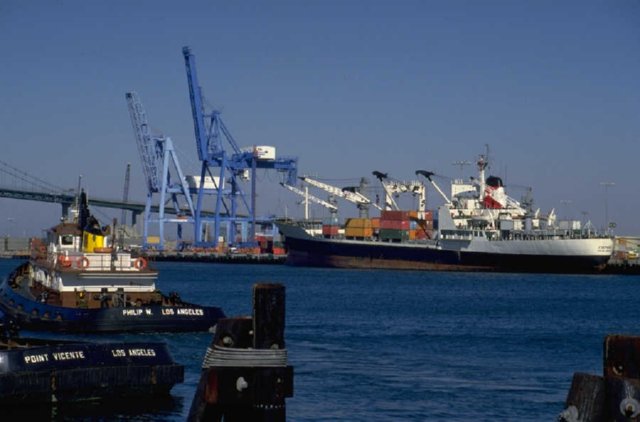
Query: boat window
x,y
67,239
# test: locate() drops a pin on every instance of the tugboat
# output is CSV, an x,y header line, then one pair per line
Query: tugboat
x,y
38,371
78,281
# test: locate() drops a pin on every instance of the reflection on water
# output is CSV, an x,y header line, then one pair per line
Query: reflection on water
x,y
139,409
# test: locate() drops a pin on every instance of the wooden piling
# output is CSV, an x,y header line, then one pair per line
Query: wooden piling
x,y
585,401
614,397
245,374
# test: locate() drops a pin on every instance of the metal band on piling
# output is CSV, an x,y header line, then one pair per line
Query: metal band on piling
x,y
217,356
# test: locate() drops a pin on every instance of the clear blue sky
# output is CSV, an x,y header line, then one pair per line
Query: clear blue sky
x,y
347,86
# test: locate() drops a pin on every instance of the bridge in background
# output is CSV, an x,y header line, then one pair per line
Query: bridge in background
x,y
17,184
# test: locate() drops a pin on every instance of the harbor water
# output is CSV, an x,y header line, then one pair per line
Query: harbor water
x,y
400,346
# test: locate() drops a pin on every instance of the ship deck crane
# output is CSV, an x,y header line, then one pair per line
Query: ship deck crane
x,y
427,175
210,132
351,194
157,156
395,187
330,204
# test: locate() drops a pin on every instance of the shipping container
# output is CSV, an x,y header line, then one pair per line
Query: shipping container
x,y
422,235
395,224
358,232
209,182
330,221
330,230
394,235
394,215
358,223
261,152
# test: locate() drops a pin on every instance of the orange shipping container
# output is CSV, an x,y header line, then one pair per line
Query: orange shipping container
x,y
358,223
358,232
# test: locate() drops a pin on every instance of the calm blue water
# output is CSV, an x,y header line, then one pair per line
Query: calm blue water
x,y
407,346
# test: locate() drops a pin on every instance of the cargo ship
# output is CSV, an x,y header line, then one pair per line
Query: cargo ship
x,y
79,281
478,228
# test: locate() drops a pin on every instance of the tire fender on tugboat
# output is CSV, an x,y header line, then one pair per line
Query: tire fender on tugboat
x,y
140,263
64,260
82,262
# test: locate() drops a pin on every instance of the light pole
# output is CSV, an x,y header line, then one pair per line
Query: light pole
x,y
10,221
606,203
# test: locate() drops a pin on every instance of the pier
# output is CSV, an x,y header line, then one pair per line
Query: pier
x,y
217,257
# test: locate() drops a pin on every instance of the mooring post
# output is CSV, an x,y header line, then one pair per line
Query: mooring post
x,y
622,375
615,397
245,374
585,401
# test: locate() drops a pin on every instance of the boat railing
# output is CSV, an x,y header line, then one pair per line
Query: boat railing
x,y
100,262
558,234
497,235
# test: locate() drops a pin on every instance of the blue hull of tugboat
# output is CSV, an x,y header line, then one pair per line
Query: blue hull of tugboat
x,y
43,371
33,315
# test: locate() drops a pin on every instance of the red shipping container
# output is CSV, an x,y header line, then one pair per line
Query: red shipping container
x,y
395,224
394,215
328,230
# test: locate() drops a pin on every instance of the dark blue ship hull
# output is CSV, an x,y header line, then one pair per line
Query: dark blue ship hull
x,y
31,314
41,371
306,250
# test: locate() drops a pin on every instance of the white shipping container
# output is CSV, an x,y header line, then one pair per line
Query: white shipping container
x,y
209,183
262,152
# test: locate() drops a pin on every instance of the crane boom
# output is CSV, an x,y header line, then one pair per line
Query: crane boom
x,y
389,202
197,108
395,187
310,197
149,155
351,196
427,175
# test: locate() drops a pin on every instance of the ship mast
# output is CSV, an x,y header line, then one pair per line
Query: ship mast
x,y
482,164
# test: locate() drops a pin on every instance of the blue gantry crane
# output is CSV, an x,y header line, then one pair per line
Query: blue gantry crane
x,y
158,157
226,170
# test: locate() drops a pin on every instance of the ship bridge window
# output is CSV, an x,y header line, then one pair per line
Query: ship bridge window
x,y
66,239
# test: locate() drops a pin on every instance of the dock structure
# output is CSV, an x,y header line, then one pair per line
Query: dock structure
x,y
614,396
245,375
221,258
